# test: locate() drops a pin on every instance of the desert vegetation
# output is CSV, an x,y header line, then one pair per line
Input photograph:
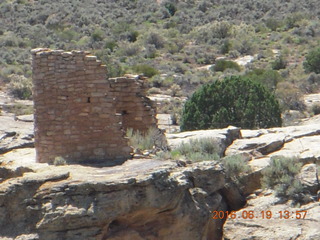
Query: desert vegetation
x,y
169,41
236,101
281,175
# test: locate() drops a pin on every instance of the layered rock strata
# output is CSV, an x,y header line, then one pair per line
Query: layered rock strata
x,y
142,199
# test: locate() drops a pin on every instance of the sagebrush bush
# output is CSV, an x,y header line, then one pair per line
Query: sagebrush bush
x,y
19,109
312,62
281,175
279,63
315,109
273,24
155,39
268,78
235,166
146,70
59,161
199,149
289,96
153,138
20,86
222,65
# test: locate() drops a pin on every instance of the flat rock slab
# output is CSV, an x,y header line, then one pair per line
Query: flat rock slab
x,y
25,118
23,156
305,148
264,144
288,141
9,124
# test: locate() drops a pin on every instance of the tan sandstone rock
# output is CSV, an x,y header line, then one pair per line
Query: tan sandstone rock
x,y
141,199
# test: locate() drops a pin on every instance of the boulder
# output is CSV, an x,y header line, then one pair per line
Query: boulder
x,y
309,177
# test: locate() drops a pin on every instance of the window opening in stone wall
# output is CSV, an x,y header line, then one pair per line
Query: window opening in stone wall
x,y
89,100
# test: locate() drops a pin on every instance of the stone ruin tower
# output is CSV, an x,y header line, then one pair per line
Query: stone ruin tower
x,y
80,115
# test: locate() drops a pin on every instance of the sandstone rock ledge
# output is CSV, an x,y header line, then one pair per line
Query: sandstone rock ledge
x,y
141,199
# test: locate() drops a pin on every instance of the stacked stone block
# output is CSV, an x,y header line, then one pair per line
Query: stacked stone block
x,y
136,110
80,115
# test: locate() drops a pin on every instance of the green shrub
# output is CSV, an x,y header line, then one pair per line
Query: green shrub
x,y
235,166
132,36
111,45
312,62
175,90
225,47
156,40
171,8
198,150
97,35
268,78
67,35
273,24
19,109
281,175
222,65
289,96
315,109
211,33
20,86
153,138
234,101
59,161
279,63
146,70
292,20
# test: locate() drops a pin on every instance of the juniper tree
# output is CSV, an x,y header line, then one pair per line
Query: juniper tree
x,y
236,100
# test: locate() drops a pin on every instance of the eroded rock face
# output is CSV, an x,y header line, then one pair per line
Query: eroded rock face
x,y
142,199
258,147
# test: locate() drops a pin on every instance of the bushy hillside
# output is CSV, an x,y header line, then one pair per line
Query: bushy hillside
x,y
174,38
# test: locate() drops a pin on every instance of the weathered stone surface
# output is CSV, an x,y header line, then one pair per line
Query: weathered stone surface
x,y
296,141
263,144
15,134
25,118
274,228
293,140
224,137
142,199
13,140
305,148
310,177
313,120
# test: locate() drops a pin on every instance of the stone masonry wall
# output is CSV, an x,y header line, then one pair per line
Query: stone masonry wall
x,y
80,115
131,103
